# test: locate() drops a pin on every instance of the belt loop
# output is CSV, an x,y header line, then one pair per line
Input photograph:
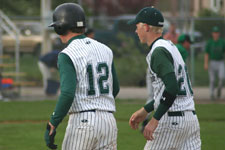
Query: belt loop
x,y
182,113
194,113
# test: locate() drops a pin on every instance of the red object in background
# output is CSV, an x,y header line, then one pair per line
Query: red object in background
x,y
6,83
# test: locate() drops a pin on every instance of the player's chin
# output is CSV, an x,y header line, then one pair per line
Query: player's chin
x,y
141,40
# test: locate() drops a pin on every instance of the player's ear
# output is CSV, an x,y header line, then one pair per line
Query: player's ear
x,y
147,28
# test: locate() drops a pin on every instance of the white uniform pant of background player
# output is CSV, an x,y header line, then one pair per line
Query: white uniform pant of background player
x,y
149,89
216,68
46,73
91,131
176,133
150,96
149,86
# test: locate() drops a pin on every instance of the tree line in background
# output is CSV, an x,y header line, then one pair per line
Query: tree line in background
x,y
26,7
205,26
129,60
92,7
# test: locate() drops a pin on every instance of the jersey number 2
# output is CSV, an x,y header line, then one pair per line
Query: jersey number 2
x,y
181,81
101,79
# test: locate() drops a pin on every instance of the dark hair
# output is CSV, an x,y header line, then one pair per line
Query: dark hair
x,y
89,31
78,30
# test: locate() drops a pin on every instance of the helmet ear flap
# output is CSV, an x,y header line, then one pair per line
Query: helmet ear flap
x,y
60,30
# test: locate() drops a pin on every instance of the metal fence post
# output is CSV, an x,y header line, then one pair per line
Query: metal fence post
x,y
1,46
192,52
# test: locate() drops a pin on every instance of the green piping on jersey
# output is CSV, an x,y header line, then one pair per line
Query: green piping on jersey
x,y
76,37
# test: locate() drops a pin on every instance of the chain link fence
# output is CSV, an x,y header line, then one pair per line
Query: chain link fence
x,y
129,53
121,37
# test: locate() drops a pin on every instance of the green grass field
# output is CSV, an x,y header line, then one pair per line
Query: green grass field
x,y
22,125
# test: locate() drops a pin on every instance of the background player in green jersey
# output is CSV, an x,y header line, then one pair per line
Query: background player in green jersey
x,y
184,43
214,62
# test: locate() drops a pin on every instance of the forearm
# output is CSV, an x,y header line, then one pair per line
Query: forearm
x,y
67,87
206,58
62,107
169,95
164,105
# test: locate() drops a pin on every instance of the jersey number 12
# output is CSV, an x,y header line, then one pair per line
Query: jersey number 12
x,y
102,67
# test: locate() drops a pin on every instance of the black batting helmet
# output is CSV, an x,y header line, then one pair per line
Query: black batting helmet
x,y
67,16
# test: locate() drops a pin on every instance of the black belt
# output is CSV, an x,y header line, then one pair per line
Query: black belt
x,y
92,110
178,113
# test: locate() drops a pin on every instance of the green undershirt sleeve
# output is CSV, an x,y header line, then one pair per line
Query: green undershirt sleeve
x,y
116,87
149,106
67,89
162,65
162,62
171,89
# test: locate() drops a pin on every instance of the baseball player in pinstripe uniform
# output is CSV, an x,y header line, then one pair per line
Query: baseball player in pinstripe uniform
x,y
174,125
89,86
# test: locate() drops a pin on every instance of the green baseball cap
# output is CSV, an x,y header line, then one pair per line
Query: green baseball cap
x,y
150,16
184,37
215,29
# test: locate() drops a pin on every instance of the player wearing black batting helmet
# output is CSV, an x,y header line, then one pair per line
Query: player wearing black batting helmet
x,y
66,17
88,86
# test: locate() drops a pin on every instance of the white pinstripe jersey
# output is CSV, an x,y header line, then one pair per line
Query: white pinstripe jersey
x,y
93,63
184,99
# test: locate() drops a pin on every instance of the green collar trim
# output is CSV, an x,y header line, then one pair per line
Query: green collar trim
x,y
155,41
76,37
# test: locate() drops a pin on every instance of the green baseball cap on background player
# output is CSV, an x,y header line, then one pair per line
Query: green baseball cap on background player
x,y
150,16
215,29
184,37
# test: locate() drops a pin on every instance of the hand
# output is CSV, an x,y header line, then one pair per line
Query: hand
x,y
50,136
137,117
206,66
53,70
150,128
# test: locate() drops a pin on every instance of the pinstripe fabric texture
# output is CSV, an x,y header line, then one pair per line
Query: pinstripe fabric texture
x,y
83,52
174,132
182,102
91,130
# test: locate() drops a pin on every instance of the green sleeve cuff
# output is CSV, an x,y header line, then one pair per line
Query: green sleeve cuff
x,y
150,106
161,110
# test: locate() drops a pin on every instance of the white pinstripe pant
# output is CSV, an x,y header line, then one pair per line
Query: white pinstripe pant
x,y
46,73
91,131
176,133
